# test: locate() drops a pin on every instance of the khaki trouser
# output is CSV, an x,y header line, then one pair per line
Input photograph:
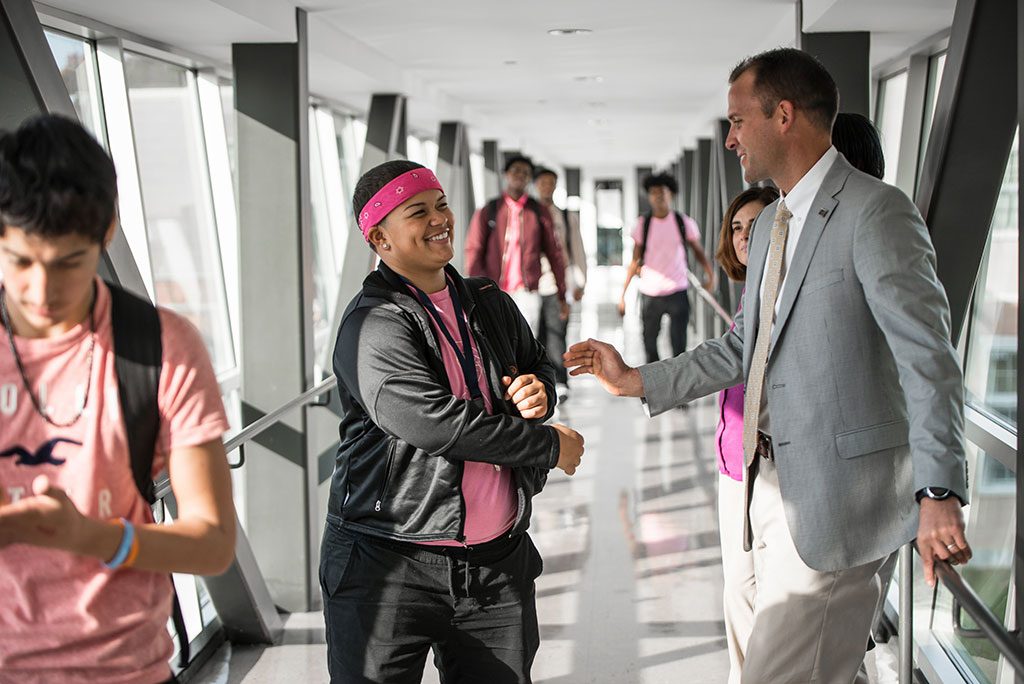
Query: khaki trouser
x,y
738,568
809,626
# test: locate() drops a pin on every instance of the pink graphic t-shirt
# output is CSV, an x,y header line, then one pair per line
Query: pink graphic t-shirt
x,y
65,617
664,269
489,492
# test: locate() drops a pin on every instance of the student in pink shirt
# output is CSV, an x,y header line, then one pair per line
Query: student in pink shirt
x,y
444,391
85,591
659,259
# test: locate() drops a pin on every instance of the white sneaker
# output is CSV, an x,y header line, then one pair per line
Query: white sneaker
x,y
561,391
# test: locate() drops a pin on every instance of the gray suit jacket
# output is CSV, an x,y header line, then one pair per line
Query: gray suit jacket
x,y
863,385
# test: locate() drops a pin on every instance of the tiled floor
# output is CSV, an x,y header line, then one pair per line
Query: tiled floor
x,y
631,591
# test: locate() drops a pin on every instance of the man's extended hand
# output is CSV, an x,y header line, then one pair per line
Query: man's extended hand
x,y
605,363
529,395
940,535
570,448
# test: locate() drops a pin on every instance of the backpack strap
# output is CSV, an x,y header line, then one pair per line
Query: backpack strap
x,y
568,237
489,216
646,233
138,356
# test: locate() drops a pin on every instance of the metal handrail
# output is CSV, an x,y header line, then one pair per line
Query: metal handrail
x,y
162,486
963,596
709,298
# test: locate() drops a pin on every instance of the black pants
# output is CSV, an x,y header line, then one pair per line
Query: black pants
x,y
386,604
551,332
652,309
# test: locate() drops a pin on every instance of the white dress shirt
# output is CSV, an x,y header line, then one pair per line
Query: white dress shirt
x,y
798,201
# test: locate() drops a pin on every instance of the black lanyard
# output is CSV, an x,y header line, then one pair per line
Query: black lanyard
x,y
465,355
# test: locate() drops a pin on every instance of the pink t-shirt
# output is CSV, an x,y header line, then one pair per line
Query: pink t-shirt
x,y
65,617
489,491
512,262
664,269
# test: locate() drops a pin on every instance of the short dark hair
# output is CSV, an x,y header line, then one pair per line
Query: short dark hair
x,y
726,252
56,180
516,158
857,139
541,170
375,179
661,180
794,75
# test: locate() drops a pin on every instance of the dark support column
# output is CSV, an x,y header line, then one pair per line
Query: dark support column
x,y
30,84
847,57
276,266
572,181
642,172
913,123
385,140
731,180
699,177
454,174
686,181
492,169
969,143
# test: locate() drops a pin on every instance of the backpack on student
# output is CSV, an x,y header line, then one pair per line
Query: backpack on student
x,y
138,357
489,214
647,231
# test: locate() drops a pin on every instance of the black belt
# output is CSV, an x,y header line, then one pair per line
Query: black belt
x,y
764,447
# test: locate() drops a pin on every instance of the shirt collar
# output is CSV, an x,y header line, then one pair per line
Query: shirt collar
x,y
521,202
799,199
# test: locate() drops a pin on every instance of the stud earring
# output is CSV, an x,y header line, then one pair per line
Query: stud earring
x,y
386,246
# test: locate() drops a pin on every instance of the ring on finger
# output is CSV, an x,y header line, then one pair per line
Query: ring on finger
x,y
952,547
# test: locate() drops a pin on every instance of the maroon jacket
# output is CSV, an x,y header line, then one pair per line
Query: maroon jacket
x,y
485,245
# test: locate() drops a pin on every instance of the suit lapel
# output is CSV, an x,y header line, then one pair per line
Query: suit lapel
x,y
814,225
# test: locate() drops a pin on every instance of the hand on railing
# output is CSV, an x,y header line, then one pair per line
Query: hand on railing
x,y
940,535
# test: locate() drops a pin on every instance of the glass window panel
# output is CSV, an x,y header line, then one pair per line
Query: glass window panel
x,y
180,226
889,120
990,374
324,271
991,525
227,95
430,152
76,60
935,67
476,172
414,149
358,139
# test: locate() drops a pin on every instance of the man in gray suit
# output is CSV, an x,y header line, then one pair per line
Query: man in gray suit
x,y
853,418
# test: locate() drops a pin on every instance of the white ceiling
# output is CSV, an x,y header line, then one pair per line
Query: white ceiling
x,y
663,63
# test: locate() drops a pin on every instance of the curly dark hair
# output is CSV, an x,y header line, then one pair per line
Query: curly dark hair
x,y
794,75
663,179
56,180
857,138
516,158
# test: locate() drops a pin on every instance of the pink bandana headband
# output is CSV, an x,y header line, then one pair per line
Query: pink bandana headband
x,y
409,184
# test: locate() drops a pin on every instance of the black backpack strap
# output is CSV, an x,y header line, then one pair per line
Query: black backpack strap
x,y
646,233
184,651
568,237
138,356
489,216
682,226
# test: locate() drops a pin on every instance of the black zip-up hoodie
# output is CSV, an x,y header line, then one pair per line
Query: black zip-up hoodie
x,y
405,436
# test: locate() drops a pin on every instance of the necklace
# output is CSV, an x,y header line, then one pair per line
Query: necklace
x,y
6,317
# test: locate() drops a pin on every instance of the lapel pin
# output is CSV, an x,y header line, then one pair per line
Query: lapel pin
x,y
823,213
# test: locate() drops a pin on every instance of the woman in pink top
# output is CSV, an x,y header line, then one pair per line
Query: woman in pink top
x,y
737,565
444,391
85,591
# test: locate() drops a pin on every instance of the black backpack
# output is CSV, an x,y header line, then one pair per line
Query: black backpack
x,y
647,231
138,357
489,214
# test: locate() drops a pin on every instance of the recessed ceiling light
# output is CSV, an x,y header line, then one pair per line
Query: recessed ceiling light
x,y
568,31
511,62
588,79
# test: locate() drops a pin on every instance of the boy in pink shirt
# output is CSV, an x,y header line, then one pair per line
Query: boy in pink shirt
x,y
85,591
659,258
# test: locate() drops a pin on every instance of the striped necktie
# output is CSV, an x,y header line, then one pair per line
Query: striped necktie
x,y
755,379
